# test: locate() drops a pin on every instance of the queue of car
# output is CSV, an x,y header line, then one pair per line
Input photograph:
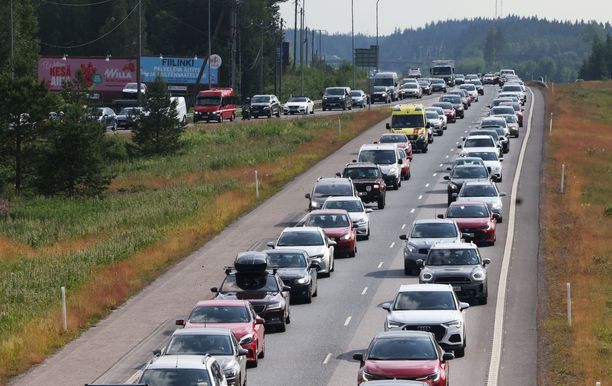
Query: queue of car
x,y
425,324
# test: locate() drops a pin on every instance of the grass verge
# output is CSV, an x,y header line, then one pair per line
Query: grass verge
x,y
577,235
157,211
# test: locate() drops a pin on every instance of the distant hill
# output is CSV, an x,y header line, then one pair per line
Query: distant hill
x,y
534,47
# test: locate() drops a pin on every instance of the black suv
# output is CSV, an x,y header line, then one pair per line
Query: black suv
x,y
337,97
265,105
368,181
328,187
461,174
250,279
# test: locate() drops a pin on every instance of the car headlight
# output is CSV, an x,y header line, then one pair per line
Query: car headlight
x,y
421,136
479,275
362,221
315,204
453,186
454,323
411,248
431,377
266,107
489,227
274,306
393,324
376,186
317,257
302,280
248,338
460,108
346,236
369,376
230,372
426,276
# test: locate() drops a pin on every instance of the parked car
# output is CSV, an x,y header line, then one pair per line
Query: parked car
x,y
105,116
189,369
483,191
401,354
360,98
423,234
357,211
299,105
251,280
217,342
368,181
429,307
337,225
474,219
460,265
128,117
297,271
337,97
329,187
313,240
237,315
265,105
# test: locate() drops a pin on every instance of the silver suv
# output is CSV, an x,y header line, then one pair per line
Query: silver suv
x,y
429,307
460,265
185,370
422,236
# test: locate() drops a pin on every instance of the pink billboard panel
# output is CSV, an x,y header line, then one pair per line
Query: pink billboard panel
x,y
100,74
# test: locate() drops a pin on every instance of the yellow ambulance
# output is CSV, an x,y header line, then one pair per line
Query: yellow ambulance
x,y
410,119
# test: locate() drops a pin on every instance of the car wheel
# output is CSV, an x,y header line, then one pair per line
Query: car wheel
x,y
255,363
398,184
316,291
288,319
282,327
270,114
407,271
285,113
312,111
233,117
381,202
220,119
353,253
501,220
425,149
343,107
500,179
449,201
367,236
441,133
332,266
408,176
262,354
308,298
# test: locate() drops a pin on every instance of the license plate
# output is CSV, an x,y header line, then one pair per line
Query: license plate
x,y
457,288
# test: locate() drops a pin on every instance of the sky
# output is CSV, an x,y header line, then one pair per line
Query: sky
x,y
335,15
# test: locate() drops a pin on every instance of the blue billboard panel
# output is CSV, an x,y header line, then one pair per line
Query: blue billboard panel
x,y
176,70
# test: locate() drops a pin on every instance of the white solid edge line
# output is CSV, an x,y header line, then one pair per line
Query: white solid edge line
x,y
133,378
498,329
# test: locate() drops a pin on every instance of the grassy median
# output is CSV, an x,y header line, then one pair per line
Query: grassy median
x,y
578,235
156,211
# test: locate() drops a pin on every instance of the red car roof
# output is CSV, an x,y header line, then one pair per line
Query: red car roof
x,y
221,302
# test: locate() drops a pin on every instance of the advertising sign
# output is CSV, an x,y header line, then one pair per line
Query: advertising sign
x,y
100,74
177,70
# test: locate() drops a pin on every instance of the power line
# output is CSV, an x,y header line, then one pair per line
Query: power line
x,y
96,39
76,5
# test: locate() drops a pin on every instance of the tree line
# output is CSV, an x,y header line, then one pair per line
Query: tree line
x,y
598,65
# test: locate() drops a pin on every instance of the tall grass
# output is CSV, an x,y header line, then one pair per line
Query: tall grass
x,y
158,210
577,235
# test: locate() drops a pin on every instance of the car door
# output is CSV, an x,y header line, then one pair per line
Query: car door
x,y
285,294
258,328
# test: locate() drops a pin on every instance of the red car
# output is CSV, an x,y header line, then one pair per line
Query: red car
x,y
474,219
337,225
404,355
405,164
449,111
401,140
237,315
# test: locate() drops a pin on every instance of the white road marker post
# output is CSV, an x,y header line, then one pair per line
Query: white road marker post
x,y
339,126
64,318
568,287
256,184
562,178
550,124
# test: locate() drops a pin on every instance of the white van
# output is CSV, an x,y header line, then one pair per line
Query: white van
x,y
385,156
388,79
181,109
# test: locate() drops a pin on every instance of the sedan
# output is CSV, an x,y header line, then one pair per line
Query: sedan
x,y
491,161
483,191
449,111
298,105
237,315
296,270
476,221
337,225
406,171
313,240
401,140
441,113
410,355
357,211
436,122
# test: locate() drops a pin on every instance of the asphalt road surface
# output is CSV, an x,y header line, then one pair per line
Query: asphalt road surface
x,y
318,345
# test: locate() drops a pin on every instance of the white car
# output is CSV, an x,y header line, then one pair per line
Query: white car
x,y
483,191
471,89
436,123
441,113
192,369
491,160
298,105
357,212
429,307
478,143
385,156
313,240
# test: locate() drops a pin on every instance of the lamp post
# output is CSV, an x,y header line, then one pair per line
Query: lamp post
x,y
12,42
209,48
138,71
377,47
320,53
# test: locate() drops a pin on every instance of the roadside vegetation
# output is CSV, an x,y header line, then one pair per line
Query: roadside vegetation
x,y
155,211
577,234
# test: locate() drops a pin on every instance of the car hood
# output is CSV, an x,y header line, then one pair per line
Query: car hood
x,y
424,316
291,273
422,243
461,181
225,361
493,164
386,169
336,232
312,250
402,369
471,222
452,270
296,104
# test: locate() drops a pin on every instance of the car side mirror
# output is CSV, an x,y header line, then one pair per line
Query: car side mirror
x,y
447,356
214,290
403,237
466,237
400,161
388,126
307,195
286,288
496,216
486,261
270,244
464,306
440,216
358,357
386,306
454,196
368,210
502,194
448,169
427,125
420,263
447,178
338,174
315,265
459,146
180,322
242,352
332,243
157,352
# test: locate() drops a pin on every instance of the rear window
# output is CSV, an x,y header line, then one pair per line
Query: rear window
x,y
326,190
334,91
484,155
328,221
470,172
175,377
292,239
434,231
467,211
361,173
381,157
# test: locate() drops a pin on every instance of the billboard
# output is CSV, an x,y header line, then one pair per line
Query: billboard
x,y
176,70
100,74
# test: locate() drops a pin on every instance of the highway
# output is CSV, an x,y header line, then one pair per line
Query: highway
x,y
318,345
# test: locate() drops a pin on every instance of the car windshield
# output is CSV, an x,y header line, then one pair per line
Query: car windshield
x,y
467,211
442,70
387,81
479,142
497,110
470,172
334,91
208,101
380,88
356,93
287,260
249,282
220,314
381,157
200,344
393,138
349,206
403,121
434,230
328,221
326,190
452,257
424,300
131,86
478,191
362,173
410,85
485,155
260,99
451,98
175,377
297,100
292,239
398,349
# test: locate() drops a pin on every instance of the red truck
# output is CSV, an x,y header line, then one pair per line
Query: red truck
x,y
215,104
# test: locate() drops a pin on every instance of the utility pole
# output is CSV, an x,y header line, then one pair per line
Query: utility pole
x,y
12,42
353,41
280,60
138,72
234,29
209,48
377,46
312,47
295,35
261,61
302,48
